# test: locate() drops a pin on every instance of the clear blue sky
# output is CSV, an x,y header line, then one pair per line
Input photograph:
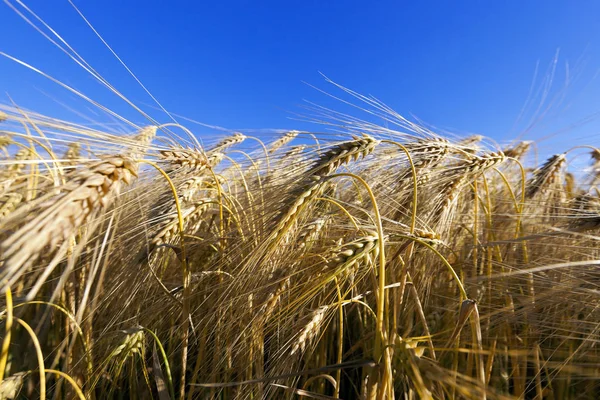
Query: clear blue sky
x,y
462,65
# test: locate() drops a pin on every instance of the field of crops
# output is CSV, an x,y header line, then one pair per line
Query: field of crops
x,y
371,263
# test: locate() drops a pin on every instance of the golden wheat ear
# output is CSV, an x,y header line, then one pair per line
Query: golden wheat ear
x,y
54,221
343,153
546,175
228,141
282,141
517,151
310,330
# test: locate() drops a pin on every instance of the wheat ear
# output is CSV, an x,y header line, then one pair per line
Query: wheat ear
x,y
310,330
56,219
282,141
546,175
229,141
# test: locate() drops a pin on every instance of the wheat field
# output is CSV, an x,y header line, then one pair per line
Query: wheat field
x,y
370,263
362,260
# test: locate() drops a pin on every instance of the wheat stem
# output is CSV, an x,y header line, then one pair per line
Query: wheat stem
x,y
186,281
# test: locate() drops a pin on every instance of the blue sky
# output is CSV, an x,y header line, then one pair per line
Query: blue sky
x,y
464,66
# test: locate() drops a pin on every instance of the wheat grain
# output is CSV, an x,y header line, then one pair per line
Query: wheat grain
x,y
310,232
133,343
5,141
17,167
428,152
72,153
169,230
282,141
191,159
9,203
11,386
469,144
355,252
189,187
310,330
517,151
293,151
343,153
547,175
229,141
273,299
484,162
142,141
